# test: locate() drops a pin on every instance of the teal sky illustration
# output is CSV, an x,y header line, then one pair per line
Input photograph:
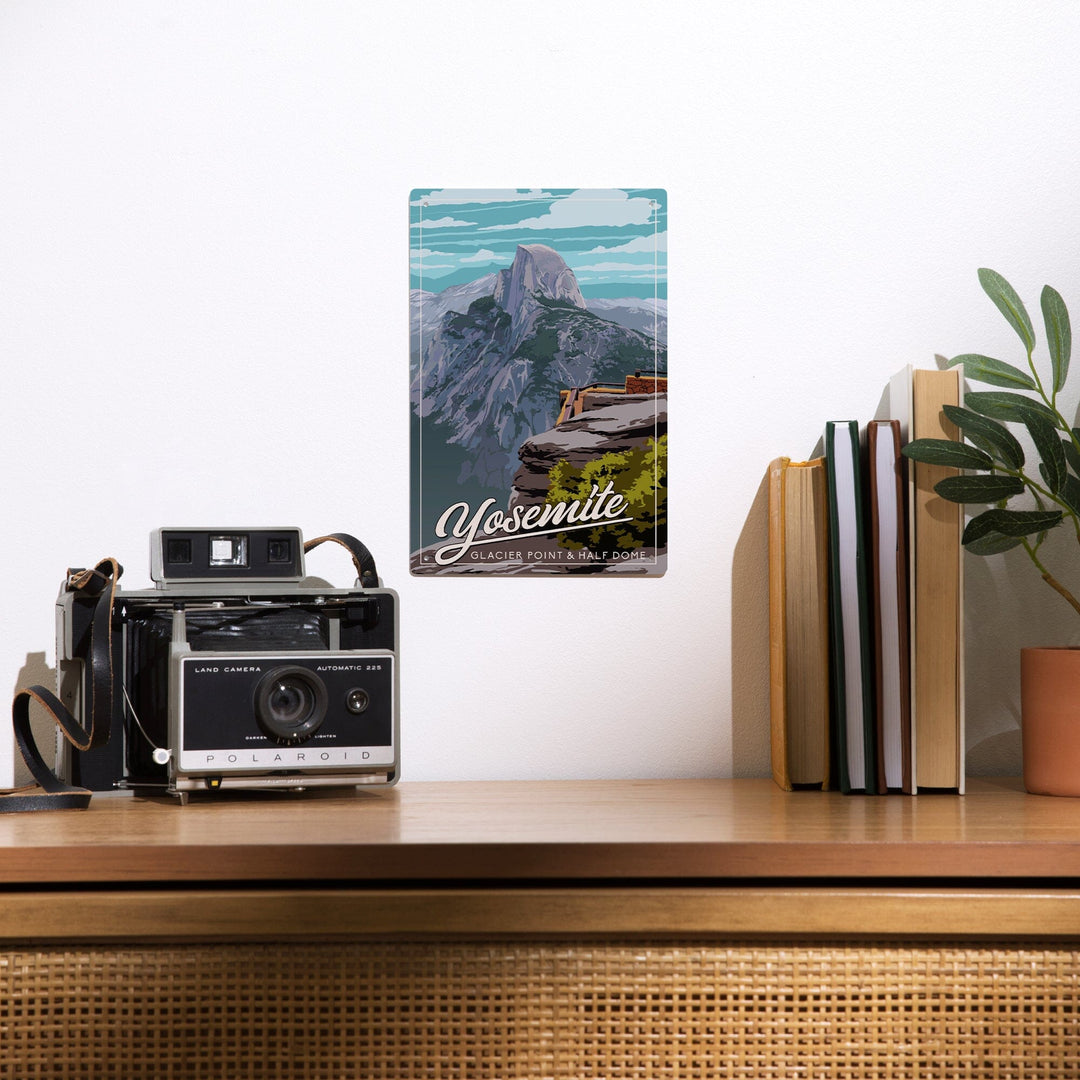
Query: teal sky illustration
x,y
615,240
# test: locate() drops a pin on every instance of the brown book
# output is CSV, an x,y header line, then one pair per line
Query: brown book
x,y
936,590
889,585
798,623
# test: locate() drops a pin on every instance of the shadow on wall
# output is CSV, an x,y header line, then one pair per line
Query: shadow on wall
x,y
36,671
750,641
1008,607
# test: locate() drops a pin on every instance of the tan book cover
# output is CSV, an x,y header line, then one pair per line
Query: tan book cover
x,y
937,591
798,623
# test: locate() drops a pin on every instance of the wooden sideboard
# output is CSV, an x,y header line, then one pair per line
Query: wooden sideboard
x,y
593,928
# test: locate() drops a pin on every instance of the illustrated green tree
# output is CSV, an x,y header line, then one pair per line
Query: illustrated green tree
x,y
639,476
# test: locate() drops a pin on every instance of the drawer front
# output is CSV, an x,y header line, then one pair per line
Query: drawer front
x,y
572,1008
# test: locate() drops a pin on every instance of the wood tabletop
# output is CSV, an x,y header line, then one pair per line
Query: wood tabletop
x,y
594,831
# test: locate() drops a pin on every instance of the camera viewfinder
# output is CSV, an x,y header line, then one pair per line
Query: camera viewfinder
x,y
228,551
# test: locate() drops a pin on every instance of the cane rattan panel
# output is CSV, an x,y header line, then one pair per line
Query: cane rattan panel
x,y
504,1009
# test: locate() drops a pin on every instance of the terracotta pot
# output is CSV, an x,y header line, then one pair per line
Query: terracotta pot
x,y
1050,720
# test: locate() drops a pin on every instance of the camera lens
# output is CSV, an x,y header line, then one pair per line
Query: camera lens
x,y
290,704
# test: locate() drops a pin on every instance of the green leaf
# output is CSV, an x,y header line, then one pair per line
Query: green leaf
x,y
978,489
1072,455
1001,405
1048,444
1011,523
1058,333
1009,304
996,372
946,452
1070,493
996,439
993,544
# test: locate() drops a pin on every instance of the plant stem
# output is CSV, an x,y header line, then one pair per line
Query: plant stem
x,y
1058,587
1050,579
1038,381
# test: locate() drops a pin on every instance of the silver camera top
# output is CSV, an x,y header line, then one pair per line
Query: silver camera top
x,y
203,557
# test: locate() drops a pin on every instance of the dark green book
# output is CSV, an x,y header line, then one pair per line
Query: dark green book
x,y
850,626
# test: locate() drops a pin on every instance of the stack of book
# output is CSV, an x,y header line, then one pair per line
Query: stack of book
x,y
866,605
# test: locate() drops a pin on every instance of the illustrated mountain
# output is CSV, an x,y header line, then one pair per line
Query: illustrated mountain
x,y
497,351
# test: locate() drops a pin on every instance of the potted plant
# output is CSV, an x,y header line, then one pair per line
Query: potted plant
x,y
998,471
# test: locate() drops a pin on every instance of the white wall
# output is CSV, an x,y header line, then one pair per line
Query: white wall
x,y
203,317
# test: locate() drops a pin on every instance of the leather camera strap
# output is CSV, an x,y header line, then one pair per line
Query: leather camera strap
x,y
362,559
50,792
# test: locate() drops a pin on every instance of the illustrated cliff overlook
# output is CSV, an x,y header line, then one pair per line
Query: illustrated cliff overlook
x,y
612,424
489,376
